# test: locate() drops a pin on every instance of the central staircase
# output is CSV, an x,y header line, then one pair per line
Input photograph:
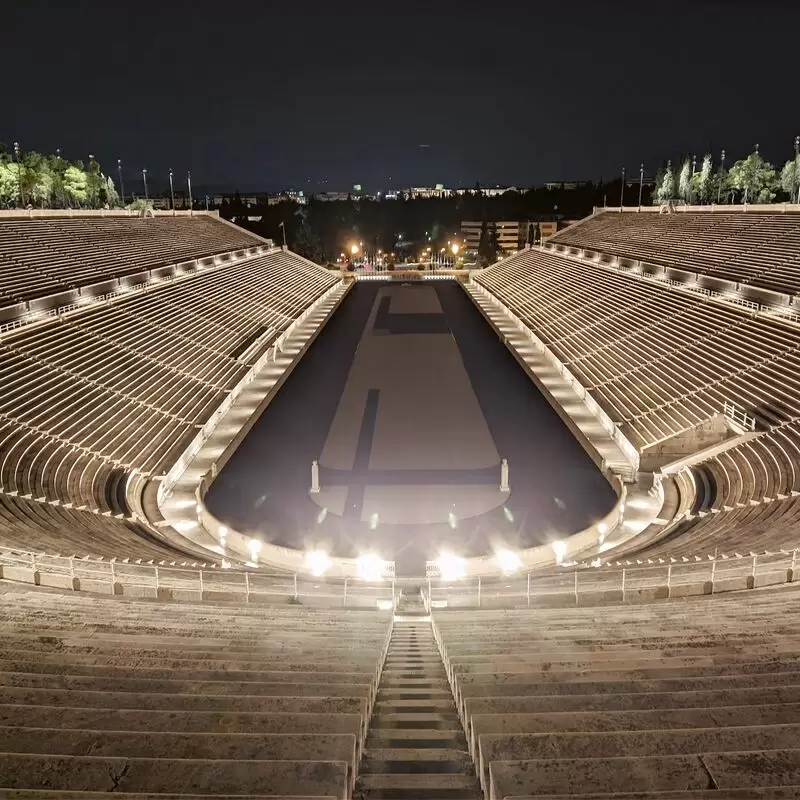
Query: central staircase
x,y
416,748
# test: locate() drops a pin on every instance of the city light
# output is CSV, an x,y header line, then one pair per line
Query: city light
x,y
454,248
354,249
508,560
451,567
370,567
317,562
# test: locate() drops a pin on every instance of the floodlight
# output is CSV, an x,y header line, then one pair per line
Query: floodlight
x,y
370,567
509,560
559,548
317,562
451,567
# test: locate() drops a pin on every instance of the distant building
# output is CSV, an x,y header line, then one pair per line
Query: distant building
x,y
568,185
511,236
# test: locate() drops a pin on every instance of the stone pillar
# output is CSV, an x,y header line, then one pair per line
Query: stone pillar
x,y
504,487
314,477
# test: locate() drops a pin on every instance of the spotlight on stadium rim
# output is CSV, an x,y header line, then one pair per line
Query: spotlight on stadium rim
x,y
254,546
508,560
451,567
370,567
560,549
317,562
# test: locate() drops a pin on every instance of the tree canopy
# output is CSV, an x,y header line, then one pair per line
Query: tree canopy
x,y
49,181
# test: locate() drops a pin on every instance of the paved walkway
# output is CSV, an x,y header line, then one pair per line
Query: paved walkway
x,y
179,508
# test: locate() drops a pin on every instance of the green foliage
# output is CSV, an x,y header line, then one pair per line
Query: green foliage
x,y
703,184
754,179
111,194
9,183
75,184
790,178
142,205
665,190
307,244
685,182
487,246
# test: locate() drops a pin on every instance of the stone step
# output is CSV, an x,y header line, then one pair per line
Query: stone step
x,y
411,760
414,786
394,681
393,737
423,706
417,721
392,693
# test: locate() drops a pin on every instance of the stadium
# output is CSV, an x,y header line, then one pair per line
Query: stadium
x,y
274,530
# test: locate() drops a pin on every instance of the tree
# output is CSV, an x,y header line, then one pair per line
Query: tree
x,y
685,182
307,244
665,190
703,186
75,184
754,178
9,183
487,246
790,179
111,194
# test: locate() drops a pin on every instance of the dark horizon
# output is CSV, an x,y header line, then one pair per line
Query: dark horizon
x,y
321,96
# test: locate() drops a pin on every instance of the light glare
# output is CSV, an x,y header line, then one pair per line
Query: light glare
x,y
508,560
317,562
451,567
370,567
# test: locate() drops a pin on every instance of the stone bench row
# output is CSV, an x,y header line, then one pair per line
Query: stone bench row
x,y
285,779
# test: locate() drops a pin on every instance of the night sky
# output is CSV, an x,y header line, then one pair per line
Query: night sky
x,y
293,94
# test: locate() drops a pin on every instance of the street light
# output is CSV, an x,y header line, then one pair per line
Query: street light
x,y
721,175
19,175
641,183
171,190
121,184
354,249
189,183
622,190
144,181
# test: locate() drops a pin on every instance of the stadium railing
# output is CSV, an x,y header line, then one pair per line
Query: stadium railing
x,y
173,581
641,580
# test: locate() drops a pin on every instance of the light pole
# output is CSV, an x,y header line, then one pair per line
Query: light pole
x,y
721,176
171,191
691,182
622,190
144,181
189,184
641,183
19,174
121,183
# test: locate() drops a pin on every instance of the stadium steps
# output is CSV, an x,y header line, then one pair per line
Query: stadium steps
x,y
416,748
